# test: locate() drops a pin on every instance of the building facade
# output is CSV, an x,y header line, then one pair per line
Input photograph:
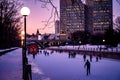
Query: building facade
x,y
95,16
89,15
72,17
99,16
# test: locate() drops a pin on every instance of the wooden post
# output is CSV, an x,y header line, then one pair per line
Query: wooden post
x,y
28,74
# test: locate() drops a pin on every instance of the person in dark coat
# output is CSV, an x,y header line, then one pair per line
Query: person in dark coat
x,y
96,58
91,57
84,57
87,66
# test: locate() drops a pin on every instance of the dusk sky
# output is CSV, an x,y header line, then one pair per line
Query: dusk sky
x,y
38,15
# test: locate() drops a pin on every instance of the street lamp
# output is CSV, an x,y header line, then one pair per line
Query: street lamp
x,y
103,40
25,11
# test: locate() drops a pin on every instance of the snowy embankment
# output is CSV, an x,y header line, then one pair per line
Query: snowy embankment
x,y
96,48
91,50
3,51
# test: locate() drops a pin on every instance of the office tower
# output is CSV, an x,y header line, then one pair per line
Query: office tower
x,y
72,17
99,16
89,16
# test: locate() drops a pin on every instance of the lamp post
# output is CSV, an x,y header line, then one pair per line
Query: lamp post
x,y
103,40
25,12
22,38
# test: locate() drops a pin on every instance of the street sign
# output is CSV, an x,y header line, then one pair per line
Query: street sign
x,y
33,49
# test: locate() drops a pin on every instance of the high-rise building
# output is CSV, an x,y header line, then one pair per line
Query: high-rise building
x,y
99,15
72,17
89,16
95,16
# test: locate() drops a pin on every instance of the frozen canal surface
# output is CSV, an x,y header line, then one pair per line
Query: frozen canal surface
x,y
11,65
58,66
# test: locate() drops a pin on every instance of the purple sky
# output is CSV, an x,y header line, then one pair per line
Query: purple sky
x,y
38,15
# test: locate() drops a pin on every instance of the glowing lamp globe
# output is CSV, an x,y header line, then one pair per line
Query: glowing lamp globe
x,y
25,11
22,32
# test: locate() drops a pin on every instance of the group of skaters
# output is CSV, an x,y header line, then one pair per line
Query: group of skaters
x,y
46,53
91,56
88,64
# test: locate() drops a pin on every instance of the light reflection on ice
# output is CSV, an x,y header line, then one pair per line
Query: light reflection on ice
x,y
37,73
35,68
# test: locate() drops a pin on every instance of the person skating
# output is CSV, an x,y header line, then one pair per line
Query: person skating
x,y
87,66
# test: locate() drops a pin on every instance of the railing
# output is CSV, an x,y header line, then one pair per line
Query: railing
x,y
96,49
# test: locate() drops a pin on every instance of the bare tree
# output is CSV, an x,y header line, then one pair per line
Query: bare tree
x,y
10,24
54,12
117,23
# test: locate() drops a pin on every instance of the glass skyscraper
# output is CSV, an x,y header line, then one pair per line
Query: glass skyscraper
x,y
99,15
72,17
95,16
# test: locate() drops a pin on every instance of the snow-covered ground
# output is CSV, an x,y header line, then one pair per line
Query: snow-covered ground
x,y
2,50
11,65
89,47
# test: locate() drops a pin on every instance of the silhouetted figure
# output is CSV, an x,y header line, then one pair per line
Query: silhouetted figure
x,y
87,66
40,51
69,56
84,57
96,58
91,57
99,55
47,53
33,56
72,55
52,51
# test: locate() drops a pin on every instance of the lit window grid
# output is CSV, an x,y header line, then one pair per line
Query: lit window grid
x,y
74,22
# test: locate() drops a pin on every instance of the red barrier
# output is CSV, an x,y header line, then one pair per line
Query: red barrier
x,y
33,49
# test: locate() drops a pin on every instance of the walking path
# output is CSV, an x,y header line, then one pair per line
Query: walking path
x,y
11,65
3,51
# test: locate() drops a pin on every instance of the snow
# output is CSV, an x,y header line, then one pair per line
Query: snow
x,y
11,65
89,47
2,50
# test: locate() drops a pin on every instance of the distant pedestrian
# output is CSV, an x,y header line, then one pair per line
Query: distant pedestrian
x,y
99,55
84,57
91,57
87,66
96,58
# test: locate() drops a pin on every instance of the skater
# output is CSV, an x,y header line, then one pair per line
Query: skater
x,y
91,57
84,57
96,58
87,66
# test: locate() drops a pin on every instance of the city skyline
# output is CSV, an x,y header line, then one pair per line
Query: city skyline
x,y
38,15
